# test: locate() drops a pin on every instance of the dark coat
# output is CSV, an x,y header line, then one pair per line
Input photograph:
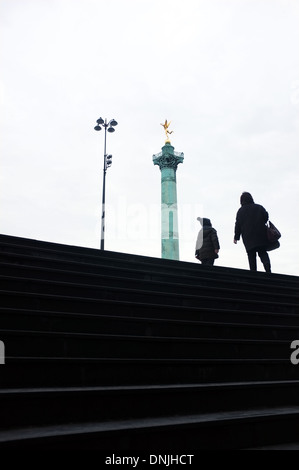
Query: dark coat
x,y
251,224
206,244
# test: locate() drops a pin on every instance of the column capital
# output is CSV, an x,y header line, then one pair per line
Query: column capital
x,y
168,158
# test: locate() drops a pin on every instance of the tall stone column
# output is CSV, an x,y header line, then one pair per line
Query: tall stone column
x,y
168,161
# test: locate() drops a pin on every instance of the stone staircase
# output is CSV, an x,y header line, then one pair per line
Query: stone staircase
x,y
113,351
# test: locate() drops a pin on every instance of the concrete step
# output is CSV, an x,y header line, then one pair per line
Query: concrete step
x,y
205,431
18,245
185,285
67,371
108,350
56,344
233,301
207,309
87,272
28,319
59,405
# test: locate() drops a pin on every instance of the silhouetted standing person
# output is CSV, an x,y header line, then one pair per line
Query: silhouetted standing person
x,y
251,222
207,243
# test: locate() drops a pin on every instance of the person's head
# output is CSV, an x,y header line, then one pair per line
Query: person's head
x,y
246,198
204,222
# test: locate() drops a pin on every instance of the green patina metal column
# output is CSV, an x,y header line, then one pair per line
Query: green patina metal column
x,y
168,161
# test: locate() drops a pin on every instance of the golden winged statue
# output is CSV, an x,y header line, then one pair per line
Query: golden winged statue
x,y
167,132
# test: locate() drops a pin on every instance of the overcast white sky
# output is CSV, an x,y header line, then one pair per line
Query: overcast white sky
x,y
224,72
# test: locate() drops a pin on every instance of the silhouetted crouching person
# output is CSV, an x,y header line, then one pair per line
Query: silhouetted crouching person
x,y
251,222
207,243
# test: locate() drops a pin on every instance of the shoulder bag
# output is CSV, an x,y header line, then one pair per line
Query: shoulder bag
x,y
273,235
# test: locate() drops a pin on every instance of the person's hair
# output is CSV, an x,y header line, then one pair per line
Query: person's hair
x,y
246,198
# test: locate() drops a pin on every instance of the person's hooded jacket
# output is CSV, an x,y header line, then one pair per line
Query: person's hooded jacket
x,y
251,222
207,241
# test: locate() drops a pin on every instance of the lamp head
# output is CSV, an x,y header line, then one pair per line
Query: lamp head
x,y
108,161
100,121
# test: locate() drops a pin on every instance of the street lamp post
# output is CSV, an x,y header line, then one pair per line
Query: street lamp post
x,y
108,126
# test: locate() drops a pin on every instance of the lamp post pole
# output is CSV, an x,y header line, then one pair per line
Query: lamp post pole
x,y
107,163
103,193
